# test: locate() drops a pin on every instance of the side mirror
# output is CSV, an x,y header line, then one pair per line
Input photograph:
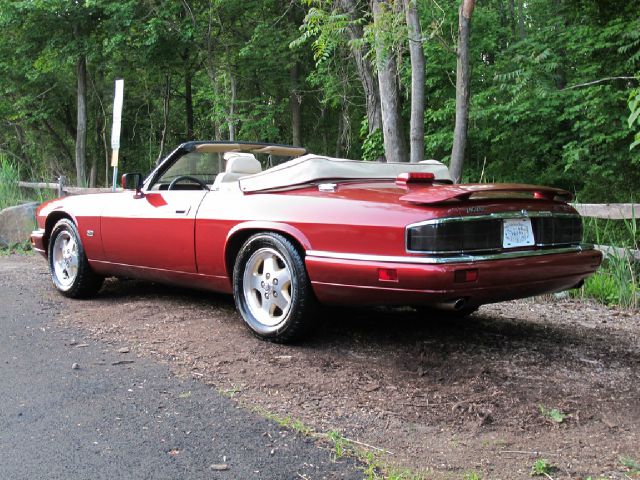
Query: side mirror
x,y
132,181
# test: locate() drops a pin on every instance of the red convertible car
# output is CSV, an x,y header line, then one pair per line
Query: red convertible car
x,y
315,230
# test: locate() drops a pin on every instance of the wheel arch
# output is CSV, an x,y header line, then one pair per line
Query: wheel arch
x,y
53,218
239,234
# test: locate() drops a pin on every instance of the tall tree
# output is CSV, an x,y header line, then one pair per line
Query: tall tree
x,y
416,51
81,125
364,67
463,75
394,144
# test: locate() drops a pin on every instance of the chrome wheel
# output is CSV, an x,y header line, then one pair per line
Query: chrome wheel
x,y
65,259
267,286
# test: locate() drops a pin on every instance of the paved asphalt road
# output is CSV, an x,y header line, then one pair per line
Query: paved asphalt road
x,y
120,421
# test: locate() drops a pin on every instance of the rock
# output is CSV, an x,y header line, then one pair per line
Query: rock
x,y
75,366
123,350
219,466
17,223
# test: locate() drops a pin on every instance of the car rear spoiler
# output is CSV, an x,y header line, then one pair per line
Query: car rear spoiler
x,y
434,194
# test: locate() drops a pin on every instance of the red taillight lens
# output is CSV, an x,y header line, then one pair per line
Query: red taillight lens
x,y
465,276
415,177
387,275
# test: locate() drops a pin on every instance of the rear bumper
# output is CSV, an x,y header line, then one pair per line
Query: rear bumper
x,y
37,242
356,281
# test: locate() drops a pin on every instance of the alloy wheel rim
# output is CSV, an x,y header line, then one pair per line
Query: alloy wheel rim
x,y
65,259
267,287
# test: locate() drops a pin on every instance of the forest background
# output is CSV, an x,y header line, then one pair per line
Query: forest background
x,y
552,85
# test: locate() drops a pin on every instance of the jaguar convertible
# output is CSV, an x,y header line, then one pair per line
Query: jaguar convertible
x,y
286,237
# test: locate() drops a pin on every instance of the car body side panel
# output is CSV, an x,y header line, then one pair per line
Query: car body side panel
x,y
154,230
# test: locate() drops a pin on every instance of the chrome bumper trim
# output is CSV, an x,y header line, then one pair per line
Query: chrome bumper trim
x,y
440,260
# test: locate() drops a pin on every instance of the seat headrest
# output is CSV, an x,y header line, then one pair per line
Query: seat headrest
x,y
244,163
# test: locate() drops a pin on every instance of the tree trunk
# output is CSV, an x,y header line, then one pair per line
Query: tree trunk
x,y
416,52
188,102
463,76
232,107
364,68
521,19
165,117
295,99
394,146
81,124
512,17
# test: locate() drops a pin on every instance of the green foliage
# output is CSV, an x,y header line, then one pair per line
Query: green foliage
x,y
472,476
555,415
542,467
372,142
634,116
542,109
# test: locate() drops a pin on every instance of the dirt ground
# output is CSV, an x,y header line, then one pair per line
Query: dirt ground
x,y
440,396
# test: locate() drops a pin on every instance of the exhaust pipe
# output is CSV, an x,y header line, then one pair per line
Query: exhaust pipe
x,y
578,285
452,305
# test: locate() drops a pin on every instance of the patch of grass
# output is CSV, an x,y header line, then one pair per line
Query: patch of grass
x,y
340,445
632,464
10,193
230,392
472,476
554,414
618,279
23,248
373,467
542,467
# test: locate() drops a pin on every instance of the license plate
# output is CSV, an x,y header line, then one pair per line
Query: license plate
x,y
517,232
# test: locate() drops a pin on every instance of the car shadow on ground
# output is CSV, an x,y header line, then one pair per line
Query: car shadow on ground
x,y
408,332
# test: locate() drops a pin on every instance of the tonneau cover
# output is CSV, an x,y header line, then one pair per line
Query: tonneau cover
x,y
314,168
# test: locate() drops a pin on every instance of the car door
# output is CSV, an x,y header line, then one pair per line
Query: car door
x,y
156,228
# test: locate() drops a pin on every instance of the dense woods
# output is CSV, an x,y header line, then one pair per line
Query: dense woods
x,y
542,91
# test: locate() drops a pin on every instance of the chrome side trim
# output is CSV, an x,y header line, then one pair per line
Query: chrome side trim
x,y
443,260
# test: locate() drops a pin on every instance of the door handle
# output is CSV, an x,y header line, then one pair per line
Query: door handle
x,y
183,210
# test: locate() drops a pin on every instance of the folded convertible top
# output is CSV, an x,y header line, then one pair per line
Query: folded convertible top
x,y
314,168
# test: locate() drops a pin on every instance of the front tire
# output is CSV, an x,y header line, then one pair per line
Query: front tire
x,y
68,264
271,288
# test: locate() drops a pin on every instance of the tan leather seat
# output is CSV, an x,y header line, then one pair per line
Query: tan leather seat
x,y
238,165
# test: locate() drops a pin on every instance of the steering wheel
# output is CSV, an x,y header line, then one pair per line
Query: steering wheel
x,y
176,180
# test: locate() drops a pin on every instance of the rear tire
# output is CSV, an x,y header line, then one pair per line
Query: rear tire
x,y
271,288
68,264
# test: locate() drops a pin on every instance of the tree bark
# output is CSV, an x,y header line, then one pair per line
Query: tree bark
x,y
188,102
512,17
394,146
295,100
165,117
416,52
521,19
463,76
232,107
81,124
364,67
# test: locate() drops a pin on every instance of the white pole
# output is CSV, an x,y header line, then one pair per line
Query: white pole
x,y
115,129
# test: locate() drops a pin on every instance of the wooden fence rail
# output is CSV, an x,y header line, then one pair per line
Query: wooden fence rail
x,y
64,189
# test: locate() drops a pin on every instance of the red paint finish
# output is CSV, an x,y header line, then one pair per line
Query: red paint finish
x,y
184,237
357,282
156,233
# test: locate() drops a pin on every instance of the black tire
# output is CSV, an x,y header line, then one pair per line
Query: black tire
x,y
273,309
77,281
